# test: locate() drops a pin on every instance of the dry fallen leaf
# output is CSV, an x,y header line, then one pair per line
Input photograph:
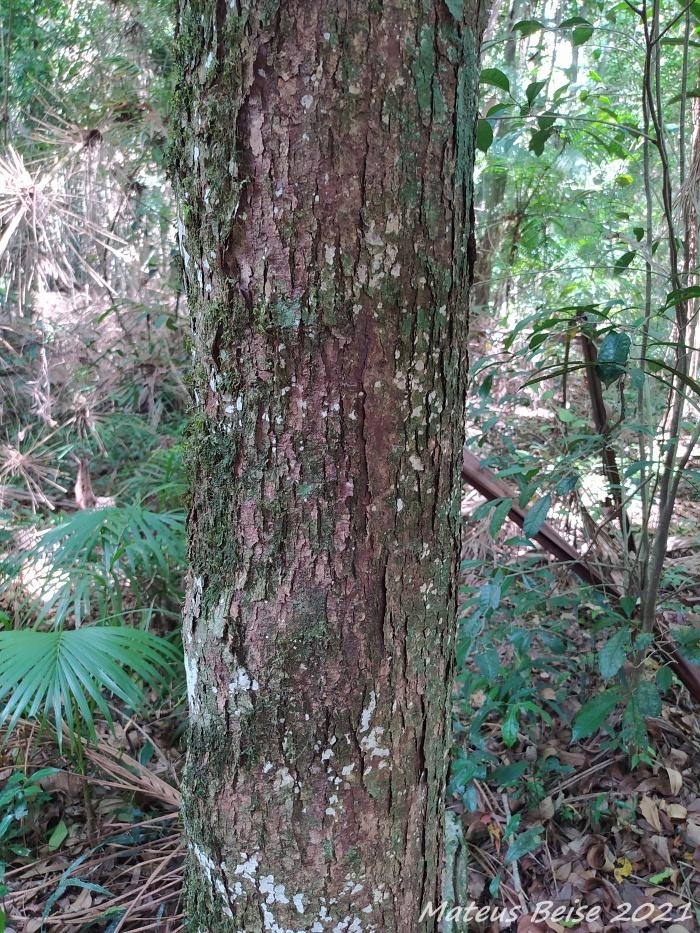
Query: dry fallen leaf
x,y
675,779
650,812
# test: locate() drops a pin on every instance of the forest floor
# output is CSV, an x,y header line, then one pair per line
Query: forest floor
x,y
559,834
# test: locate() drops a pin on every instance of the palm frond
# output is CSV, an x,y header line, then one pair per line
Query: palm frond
x,y
81,569
65,675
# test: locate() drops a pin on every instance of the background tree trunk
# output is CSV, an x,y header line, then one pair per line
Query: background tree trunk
x,y
323,160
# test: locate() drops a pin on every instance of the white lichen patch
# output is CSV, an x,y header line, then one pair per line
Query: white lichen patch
x,y
221,889
242,682
191,677
298,901
368,712
275,892
248,867
372,743
283,778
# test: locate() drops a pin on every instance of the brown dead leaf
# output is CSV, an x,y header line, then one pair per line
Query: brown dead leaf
x,y
660,844
675,779
692,833
650,812
545,810
676,811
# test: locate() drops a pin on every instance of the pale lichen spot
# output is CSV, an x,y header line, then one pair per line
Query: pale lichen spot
x,y
191,677
275,892
307,101
372,743
368,712
248,867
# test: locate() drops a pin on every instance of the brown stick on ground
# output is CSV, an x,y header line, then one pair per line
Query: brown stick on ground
x,y
491,487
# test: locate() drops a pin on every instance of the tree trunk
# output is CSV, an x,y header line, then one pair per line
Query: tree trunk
x,y
323,160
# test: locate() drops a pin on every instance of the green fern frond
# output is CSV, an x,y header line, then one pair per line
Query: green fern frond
x,y
65,675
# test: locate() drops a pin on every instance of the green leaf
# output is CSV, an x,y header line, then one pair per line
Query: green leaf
x,y
537,516
612,655
581,34
546,121
500,513
623,261
613,356
508,775
574,21
623,180
488,663
58,836
664,679
628,604
646,698
527,27
484,135
682,294
495,77
594,713
533,91
662,876
509,727
525,842
538,140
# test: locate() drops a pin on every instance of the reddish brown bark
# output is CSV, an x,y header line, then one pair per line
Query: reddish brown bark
x,y
324,162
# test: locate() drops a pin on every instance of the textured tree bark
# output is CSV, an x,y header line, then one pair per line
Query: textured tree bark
x,y
323,159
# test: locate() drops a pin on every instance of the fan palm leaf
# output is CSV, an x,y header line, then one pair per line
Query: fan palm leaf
x,y
67,674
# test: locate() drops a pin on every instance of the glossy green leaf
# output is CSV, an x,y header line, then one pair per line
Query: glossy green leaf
x,y
538,140
582,34
508,775
496,78
528,27
534,90
488,663
484,135
613,355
